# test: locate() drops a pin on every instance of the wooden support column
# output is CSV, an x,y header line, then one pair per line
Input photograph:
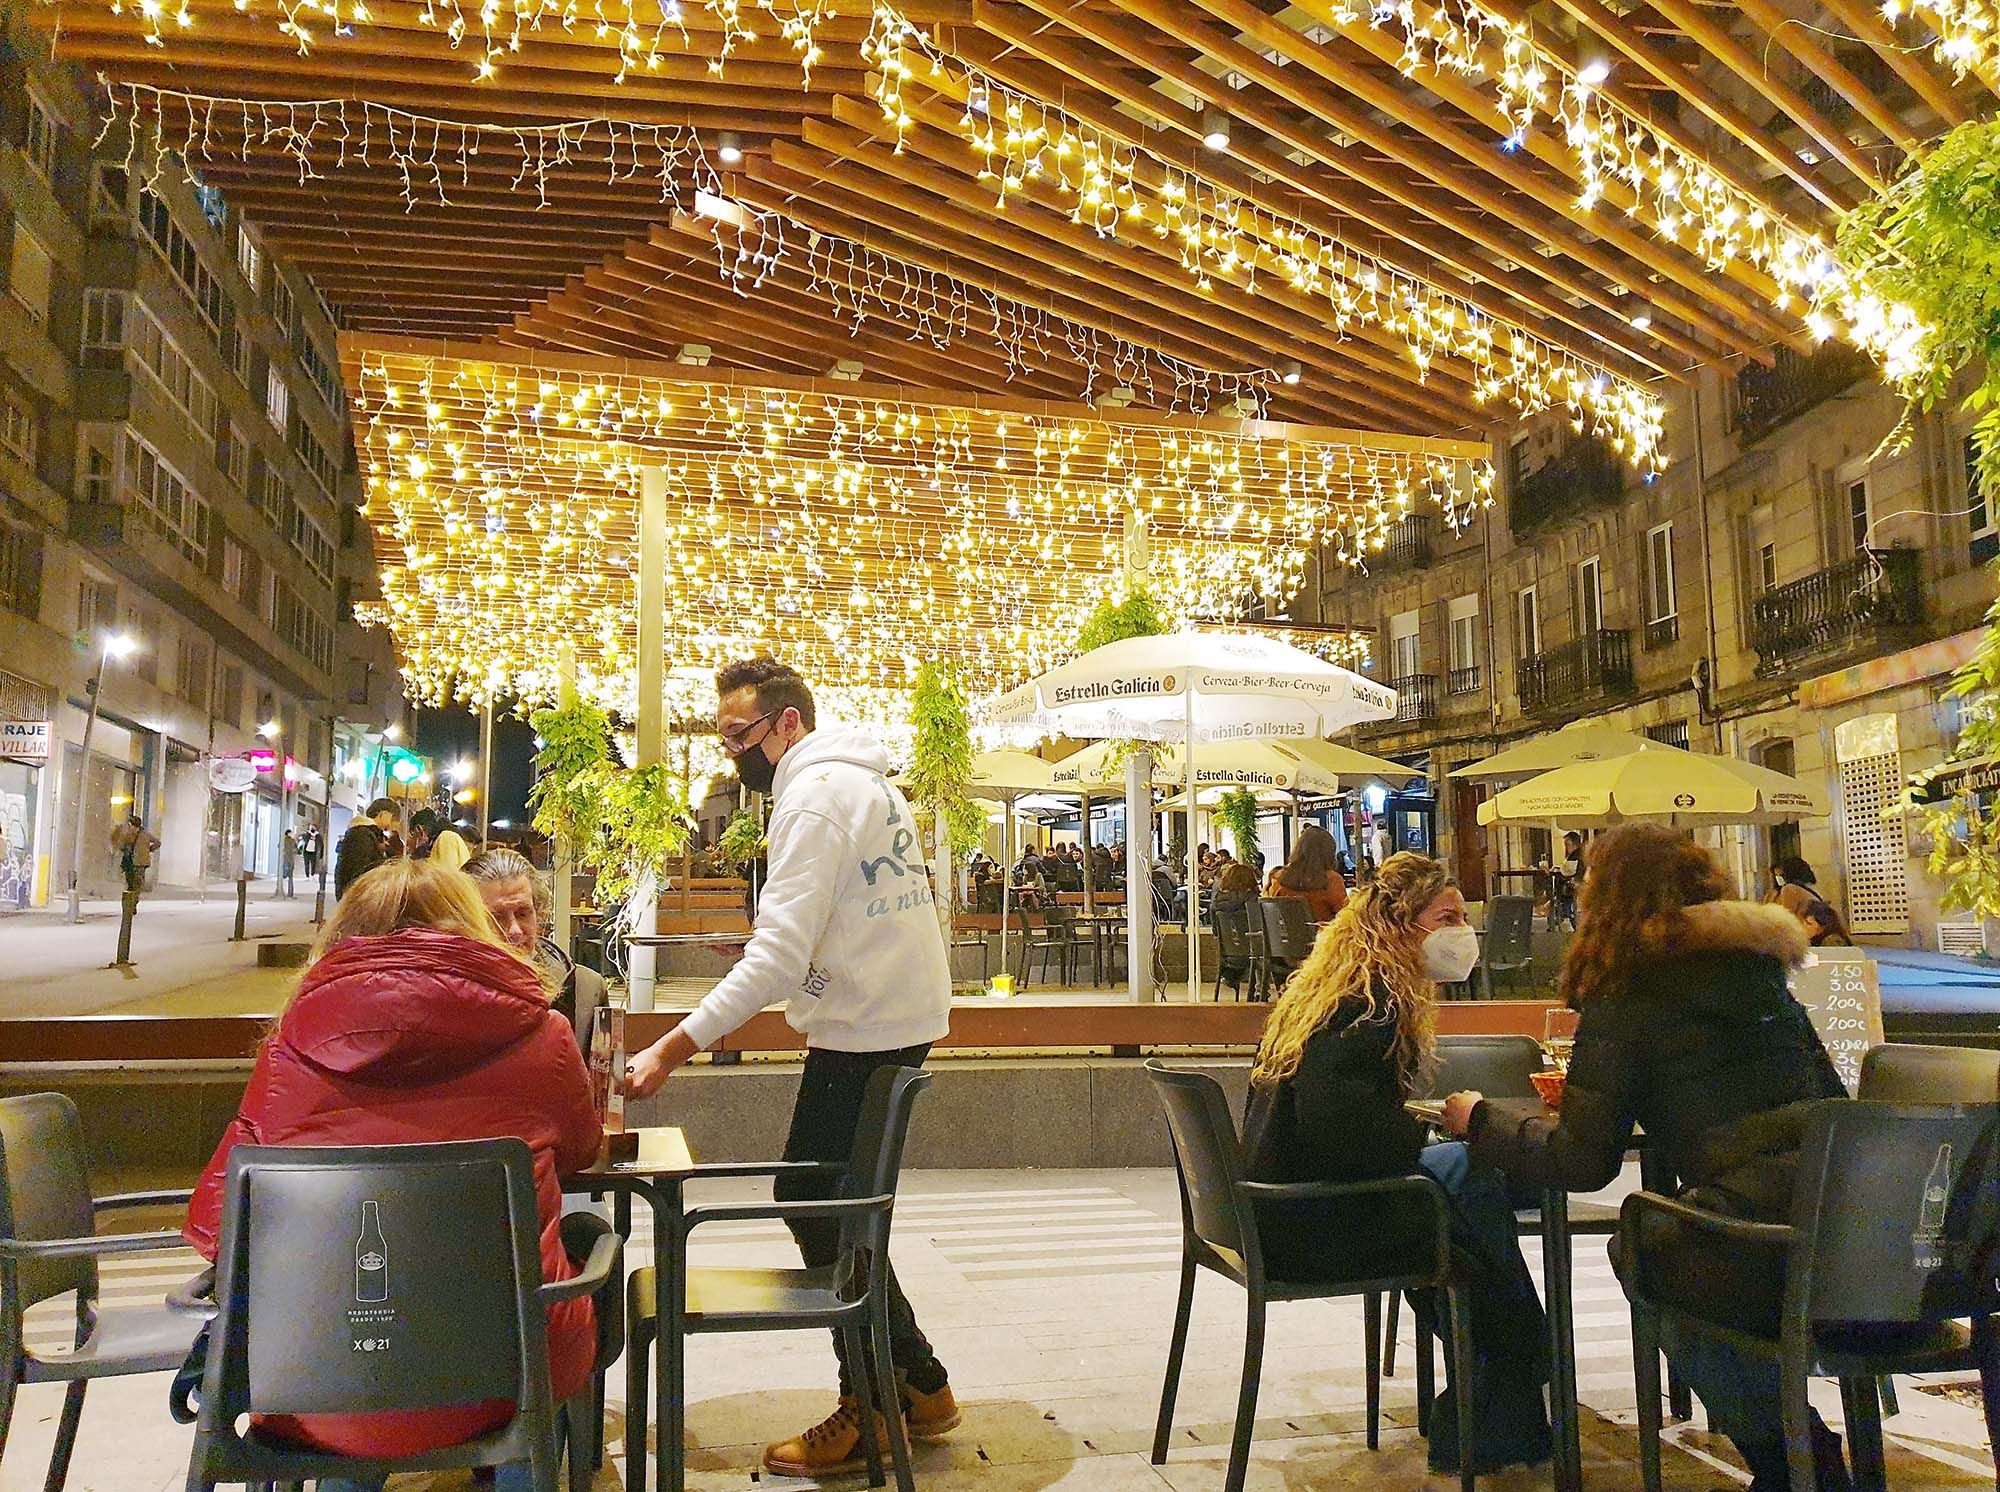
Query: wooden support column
x,y
652,664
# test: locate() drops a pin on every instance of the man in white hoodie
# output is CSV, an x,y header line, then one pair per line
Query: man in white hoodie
x,y
845,934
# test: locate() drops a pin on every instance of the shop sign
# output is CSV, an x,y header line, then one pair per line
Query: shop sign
x,y
26,740
262,759
232,774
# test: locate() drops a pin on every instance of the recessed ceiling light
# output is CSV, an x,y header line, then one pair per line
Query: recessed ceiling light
x,y
1215,128
1290,372
729,147
1593,72
1642,321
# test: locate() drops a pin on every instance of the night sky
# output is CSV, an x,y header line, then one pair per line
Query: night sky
x,y
446,735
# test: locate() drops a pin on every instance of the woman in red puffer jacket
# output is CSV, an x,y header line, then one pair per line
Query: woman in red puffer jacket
x,y
416,1023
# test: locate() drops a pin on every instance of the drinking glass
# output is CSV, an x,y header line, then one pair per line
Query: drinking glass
x,y
1559,1036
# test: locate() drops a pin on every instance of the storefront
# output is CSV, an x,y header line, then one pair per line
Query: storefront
x,y
24,747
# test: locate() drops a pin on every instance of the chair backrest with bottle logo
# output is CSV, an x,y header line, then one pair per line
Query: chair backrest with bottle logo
x,y
355,1279
1887,1195
1497,1066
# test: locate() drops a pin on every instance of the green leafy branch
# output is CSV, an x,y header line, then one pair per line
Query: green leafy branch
x,y
1237,812
742,838
623,823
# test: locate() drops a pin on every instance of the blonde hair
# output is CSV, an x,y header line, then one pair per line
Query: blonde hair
x,y
409,893
1374,941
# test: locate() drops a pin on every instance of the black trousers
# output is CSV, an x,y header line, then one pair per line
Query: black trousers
x,y
823,1120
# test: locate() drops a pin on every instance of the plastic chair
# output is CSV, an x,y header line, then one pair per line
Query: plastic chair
x,y
1232,946
1508,945
850,1296
1219,1233
1288,934
1045,937
1898,1073
48,1248
1870,1285
339,1291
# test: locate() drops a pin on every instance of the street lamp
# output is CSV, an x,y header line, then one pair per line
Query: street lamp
x,y
116,645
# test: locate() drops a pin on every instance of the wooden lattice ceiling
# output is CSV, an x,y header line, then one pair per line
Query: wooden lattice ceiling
x,y
1803,106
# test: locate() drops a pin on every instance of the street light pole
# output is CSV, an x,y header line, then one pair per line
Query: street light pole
x,y
114,647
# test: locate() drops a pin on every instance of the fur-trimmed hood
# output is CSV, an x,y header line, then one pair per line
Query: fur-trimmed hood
x,y
1728,927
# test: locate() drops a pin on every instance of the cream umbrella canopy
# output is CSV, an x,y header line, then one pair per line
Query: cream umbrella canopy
x,y
1311,767
1003,776
1661,785
1201,689
1563,748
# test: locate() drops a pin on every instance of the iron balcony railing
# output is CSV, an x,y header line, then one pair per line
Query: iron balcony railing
x,y
1416,698
1663,633
1463,680
1596,665
1767,397
1586,474
1411,543
1854,602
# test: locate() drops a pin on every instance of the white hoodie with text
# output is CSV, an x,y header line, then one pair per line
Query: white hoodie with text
x,y
845,931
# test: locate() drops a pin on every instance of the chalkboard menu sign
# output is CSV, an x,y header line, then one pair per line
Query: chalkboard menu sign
x,y
1840,990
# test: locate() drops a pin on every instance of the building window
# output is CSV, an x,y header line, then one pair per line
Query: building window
x,y
1589,597
1985,531
163,501
97,473
1527,624
310,540
313,455
21,572
320,371
273,495
144,626
103,322
1404,646
191,672
1672,733
1462,624
110,195
249,258
232,567
30,273
1661,600
1767,567
229,697
18,425
96,607
179,251
283,310
302,627
173,370
239,355
1859,519
44,138
277,401
231,459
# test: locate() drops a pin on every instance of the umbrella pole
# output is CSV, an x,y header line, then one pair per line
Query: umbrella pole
x,y
1006,876
1193,889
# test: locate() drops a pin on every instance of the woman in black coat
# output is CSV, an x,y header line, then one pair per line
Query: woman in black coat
x,y
1689,1031
1348,1042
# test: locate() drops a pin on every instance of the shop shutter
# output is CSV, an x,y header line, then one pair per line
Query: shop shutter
x,y
1870,761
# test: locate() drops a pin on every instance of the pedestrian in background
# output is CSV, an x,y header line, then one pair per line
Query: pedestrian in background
x,y
309,849
288,853
135,844
369,841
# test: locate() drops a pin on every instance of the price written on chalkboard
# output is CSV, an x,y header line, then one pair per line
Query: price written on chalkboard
x,y
1841,991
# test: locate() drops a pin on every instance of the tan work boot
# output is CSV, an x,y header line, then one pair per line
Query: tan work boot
x,y
830,1448
929,1416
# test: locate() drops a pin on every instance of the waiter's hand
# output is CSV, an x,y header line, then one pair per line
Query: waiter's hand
x,y
1458,1112
647,1070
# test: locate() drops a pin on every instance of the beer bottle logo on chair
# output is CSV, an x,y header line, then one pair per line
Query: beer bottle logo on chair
x,y
1937,1189
371,1257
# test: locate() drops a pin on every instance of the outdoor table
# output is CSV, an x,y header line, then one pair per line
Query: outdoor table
x,y
1558,1304
663,1167
1104,926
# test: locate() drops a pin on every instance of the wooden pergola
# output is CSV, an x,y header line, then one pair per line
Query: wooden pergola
x,y
1396,133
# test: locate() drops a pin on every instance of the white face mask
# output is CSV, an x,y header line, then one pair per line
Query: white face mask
x,y
1450,953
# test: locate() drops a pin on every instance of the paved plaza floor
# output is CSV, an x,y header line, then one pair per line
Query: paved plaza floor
x,y
1049,1296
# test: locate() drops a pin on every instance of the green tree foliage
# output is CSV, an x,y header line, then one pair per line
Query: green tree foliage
x,y
623,823
1114,621
1932,242
1237,812
742,838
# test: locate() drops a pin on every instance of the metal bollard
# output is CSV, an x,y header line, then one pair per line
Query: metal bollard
x,y
129,908
242,905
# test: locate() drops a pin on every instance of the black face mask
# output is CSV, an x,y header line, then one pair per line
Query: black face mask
x,y
755,770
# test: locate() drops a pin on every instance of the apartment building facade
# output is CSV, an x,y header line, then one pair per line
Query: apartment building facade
x,y
1785,592
176,470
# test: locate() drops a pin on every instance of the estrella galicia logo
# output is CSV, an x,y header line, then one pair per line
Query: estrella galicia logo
x,y
1683,800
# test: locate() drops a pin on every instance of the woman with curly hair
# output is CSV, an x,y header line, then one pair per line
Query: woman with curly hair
x,y
1353,1037
1689,1030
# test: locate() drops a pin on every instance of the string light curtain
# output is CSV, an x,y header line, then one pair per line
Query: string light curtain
x,y
1968,34
854,533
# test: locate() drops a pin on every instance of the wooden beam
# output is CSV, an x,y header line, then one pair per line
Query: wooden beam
x,y
1865,21
1804,48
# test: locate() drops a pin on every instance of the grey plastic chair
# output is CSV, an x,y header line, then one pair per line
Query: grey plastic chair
x,y
340,1289
48,1248
850,1296
1232,946
1872,1285
1899,1073
1508,945
1219,1233
1288,934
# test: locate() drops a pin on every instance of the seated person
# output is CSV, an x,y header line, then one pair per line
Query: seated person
x,y
1689,1030
416,1022
1310,875
1232,906
1348,1042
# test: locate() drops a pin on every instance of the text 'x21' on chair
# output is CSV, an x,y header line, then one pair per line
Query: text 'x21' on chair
x,y
48,1248
369,1278
1219,1233
850,1295
1876,1278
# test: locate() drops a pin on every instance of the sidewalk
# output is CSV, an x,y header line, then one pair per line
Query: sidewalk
x,y
183,961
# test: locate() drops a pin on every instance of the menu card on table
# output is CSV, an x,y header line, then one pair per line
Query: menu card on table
x,y
1841,991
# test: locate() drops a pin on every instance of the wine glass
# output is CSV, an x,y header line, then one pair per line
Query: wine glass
x,y
1559,1036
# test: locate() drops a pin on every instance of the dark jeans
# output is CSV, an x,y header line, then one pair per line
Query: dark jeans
x,y
823,1120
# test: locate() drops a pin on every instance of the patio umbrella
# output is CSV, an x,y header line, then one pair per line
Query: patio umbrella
x,y
1202,689
1310,767
1662,785
1563,748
